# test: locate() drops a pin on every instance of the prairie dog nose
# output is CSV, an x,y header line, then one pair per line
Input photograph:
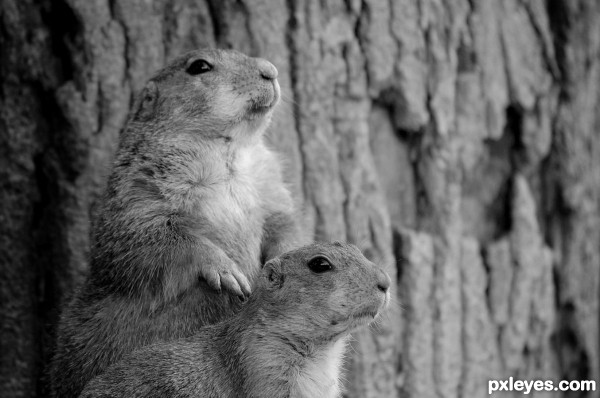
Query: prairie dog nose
x,y
383,281
267,70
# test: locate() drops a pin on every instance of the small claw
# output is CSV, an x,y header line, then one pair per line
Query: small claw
x,y
244,284
246,288
231,284
213,280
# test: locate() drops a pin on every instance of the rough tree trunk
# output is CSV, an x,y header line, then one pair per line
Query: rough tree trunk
x,y
454,141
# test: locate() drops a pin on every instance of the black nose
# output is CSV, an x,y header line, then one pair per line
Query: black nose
x,y
383,281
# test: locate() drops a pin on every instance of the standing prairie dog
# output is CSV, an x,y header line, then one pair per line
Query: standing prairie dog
x,y
288,340
194,206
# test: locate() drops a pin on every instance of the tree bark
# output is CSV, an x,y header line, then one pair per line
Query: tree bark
x,y
456,142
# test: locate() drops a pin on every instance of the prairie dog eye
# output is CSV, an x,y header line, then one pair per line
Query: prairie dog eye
x,y
199,66
319,265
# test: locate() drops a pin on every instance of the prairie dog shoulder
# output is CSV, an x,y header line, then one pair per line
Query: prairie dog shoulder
x,y
288,341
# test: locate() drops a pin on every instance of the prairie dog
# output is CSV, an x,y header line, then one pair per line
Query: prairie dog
x,y
288,340
194,206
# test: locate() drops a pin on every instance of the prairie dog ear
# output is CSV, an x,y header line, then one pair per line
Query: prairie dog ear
x,y
147,102
273,274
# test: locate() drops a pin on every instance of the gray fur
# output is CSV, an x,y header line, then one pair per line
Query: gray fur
x,y
280,345
193,207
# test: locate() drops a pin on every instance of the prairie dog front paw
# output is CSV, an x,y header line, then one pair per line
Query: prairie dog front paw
x,y
226,276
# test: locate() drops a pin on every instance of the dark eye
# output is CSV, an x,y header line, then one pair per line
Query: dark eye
x,y
199,66
320,265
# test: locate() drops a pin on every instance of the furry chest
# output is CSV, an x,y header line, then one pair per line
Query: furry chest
x,y
226,192
234,203
319,377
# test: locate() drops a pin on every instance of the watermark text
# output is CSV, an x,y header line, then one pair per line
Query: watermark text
x,y
527,386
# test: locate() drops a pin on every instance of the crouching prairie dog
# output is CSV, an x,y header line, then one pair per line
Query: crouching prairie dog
x,y
194,206
287,341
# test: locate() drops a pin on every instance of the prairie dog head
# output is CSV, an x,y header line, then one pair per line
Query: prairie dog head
x,y
325,290
213,93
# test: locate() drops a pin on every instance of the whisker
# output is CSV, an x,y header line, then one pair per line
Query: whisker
x,y
288,99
